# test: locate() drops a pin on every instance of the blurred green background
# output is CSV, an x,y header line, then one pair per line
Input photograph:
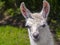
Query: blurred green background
x,y
12,29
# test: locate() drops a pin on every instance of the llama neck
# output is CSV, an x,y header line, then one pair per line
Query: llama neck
x,y
46,37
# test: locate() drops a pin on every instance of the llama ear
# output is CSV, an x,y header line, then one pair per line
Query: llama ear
x,y
25,12
45,9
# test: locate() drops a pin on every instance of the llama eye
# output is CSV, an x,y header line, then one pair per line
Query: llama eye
x,y
28,26
43,25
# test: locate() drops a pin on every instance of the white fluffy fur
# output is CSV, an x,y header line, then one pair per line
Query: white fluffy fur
x,y
46,37
35,21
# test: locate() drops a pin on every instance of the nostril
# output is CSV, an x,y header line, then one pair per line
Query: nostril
x,y
43,25
36,36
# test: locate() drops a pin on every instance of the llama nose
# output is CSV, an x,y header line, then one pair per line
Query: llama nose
x,y
35,35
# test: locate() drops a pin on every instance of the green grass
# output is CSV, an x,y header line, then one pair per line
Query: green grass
x,y
13,36
10,35
58,33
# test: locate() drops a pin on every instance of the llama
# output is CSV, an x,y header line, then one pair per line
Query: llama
x,y
38,29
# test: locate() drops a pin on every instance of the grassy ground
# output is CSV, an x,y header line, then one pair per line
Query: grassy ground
x,y
58,33
15,36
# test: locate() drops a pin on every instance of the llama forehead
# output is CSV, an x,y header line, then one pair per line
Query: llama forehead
x,y
34,22
30,21
37,16
36,19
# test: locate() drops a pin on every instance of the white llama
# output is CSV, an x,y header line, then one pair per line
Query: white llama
x,y
38,29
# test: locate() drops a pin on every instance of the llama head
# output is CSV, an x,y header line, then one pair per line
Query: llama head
x,y
35,21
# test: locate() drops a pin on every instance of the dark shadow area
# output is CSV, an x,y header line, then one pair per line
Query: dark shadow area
x,y
16,21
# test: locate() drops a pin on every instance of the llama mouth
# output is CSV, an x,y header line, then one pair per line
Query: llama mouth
x,y
36,40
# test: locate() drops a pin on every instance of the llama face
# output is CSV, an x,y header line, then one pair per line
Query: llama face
x,y
35,21
35,25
